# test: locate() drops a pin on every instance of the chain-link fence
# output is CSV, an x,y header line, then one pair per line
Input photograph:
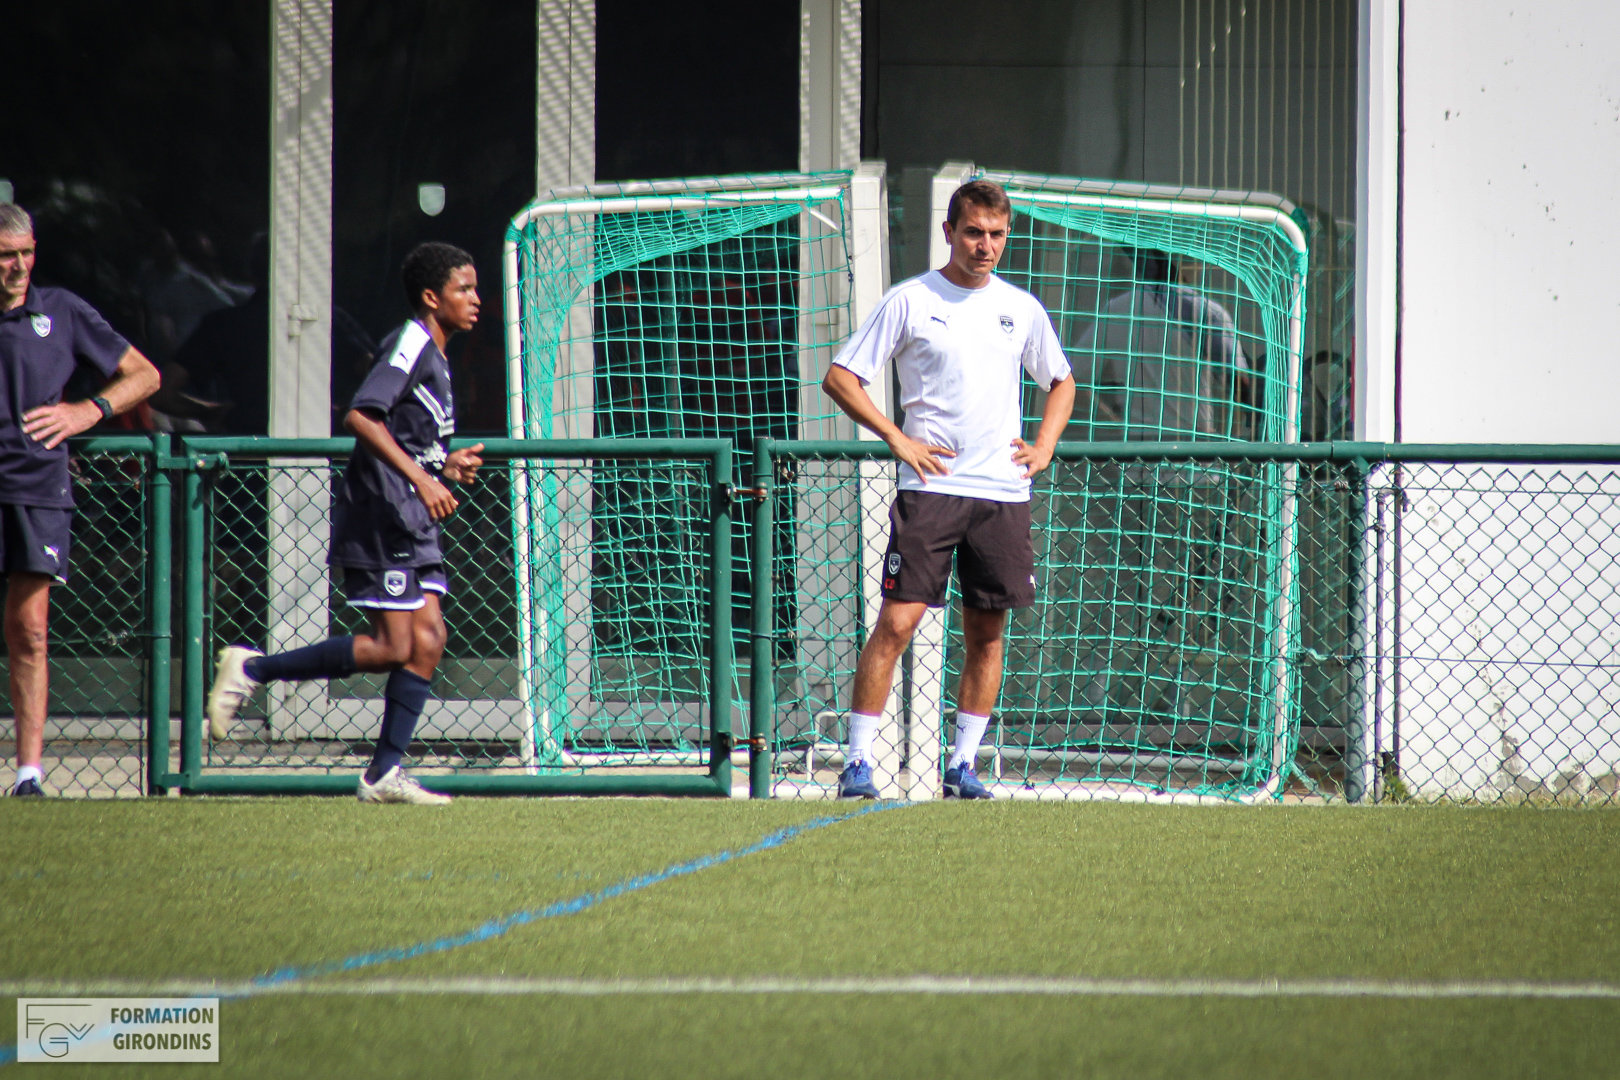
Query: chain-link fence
x,y
1333,622
589,584
584,587
1340,622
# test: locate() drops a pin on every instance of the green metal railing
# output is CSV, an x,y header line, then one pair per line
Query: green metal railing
x,y
520,463
1227,621
1353,621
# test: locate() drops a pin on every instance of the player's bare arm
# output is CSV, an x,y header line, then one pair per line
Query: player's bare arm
x,y
135,381
461,466
1054,418
847,390
373,434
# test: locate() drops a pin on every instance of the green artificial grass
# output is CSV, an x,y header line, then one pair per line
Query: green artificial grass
x,y
228,889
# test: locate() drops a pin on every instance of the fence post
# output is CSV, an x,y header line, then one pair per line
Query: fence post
x,y
721,644
762,681
192,667
159,576
1366,569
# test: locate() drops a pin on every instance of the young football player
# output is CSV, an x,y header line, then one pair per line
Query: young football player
x,y
385,527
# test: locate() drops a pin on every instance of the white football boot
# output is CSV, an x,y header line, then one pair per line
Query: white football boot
x,y
394,786
232,687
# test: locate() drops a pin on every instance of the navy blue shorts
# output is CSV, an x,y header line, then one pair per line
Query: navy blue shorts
x,y
395,589
35,540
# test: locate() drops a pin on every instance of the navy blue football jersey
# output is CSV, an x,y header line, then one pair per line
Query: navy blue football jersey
x,y
42,342
378,520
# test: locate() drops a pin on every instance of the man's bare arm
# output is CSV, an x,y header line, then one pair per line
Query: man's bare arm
x,y
134,381
1054,418
847,390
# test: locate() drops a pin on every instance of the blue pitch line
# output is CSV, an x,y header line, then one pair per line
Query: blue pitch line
x,y
495,928
498,927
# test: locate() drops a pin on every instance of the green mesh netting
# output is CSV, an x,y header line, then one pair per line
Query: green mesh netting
x,y
703,309
1154,656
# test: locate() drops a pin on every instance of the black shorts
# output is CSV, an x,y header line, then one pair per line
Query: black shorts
x,y
35,540
397,588
995,560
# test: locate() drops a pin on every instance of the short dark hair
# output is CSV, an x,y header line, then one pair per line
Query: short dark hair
x,y
985,193
429,266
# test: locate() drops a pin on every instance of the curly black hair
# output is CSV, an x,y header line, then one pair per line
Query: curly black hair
x,y
429,266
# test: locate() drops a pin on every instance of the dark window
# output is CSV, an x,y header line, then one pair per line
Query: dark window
x,y
432,96
143,156
696,91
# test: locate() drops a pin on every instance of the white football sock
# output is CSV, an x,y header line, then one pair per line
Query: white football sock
x,y
862,730
969,733
29,772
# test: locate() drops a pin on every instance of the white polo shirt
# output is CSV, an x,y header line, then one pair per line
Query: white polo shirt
x,y
958,353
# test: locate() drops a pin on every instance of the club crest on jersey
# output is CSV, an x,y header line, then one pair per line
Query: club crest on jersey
x,y
42,324
394,582
894,563
1006,324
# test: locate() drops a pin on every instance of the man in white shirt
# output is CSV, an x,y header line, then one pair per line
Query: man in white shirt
x,y
959,337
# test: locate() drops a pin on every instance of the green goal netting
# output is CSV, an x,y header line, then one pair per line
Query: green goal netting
x,y
1158,660
1160,655
704,308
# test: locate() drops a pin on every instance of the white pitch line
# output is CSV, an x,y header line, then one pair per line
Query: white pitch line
x,y
918,984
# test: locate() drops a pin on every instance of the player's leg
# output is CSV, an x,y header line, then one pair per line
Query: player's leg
x,y
242,669
27,616
406,693
391,595
409,686
389,645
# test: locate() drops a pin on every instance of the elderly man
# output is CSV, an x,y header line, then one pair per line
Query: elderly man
x,y
45,333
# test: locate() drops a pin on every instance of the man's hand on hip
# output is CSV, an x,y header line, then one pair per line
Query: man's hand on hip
x,y
1033,457
50,424
922,457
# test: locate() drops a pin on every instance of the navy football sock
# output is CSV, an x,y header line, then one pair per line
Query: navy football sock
x,y
329,659
404,698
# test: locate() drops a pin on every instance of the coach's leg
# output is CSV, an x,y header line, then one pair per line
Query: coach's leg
x,y
874,673
983,632
28,610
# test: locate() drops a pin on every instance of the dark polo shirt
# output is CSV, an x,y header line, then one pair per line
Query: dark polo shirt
x,y
378,520
42,341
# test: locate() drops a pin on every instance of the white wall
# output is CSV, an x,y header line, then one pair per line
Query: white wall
x,y
1509,327
1511,307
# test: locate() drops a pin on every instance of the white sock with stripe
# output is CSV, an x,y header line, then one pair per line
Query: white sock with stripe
x,y
969,733
862,730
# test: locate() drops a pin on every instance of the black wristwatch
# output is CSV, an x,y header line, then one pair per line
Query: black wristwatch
x,y
104,405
